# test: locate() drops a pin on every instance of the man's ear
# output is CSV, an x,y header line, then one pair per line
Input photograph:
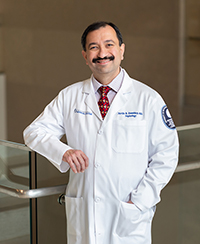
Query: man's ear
x,y
85,56
122,48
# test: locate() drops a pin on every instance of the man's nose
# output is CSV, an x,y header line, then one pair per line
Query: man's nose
x,y
102,52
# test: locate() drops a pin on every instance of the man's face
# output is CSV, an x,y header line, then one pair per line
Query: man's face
x,y
103,54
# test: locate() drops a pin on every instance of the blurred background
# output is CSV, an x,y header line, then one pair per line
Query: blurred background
x,y
40,52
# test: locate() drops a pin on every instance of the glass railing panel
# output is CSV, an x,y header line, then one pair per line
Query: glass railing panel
x,y
189,137
49,211
14,212
177,218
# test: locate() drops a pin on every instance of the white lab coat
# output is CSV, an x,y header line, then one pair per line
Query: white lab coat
x,y
132,154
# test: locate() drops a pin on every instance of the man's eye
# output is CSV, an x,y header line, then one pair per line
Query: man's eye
x,y
109,44
93,47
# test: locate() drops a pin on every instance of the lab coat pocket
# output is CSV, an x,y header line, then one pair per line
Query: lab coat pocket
x,y
129,136
131,221
75,215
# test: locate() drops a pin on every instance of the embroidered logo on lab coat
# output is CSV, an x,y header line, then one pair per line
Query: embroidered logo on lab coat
x,y
82,112
130,114
167,119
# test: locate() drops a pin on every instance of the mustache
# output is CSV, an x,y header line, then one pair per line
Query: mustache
x,y
94,60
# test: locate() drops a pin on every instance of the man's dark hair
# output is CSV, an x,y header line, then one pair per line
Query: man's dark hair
x,y
96,26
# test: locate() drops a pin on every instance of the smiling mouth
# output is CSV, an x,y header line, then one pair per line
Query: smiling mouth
x,y
103,60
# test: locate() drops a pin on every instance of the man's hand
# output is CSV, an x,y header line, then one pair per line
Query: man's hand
x,y
76,159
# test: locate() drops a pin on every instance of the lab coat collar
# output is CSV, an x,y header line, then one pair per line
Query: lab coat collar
x,y
126,85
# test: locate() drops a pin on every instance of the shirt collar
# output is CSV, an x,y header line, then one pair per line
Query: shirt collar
x,y
115,84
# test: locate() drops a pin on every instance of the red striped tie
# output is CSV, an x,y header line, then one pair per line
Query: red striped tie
x,y
103,101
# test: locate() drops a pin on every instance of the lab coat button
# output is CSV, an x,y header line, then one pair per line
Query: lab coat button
x,y
97,199
96,165
100,132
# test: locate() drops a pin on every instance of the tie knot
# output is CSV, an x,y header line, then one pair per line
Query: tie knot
x,y
104,90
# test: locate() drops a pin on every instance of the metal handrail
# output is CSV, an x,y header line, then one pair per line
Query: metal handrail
x,y
34,193
15,145
48,191
187,166
188,127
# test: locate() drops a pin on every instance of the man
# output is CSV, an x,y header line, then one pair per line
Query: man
x,y
122,146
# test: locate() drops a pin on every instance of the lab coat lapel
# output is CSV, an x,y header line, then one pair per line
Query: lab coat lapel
x,y
90,99
121,97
